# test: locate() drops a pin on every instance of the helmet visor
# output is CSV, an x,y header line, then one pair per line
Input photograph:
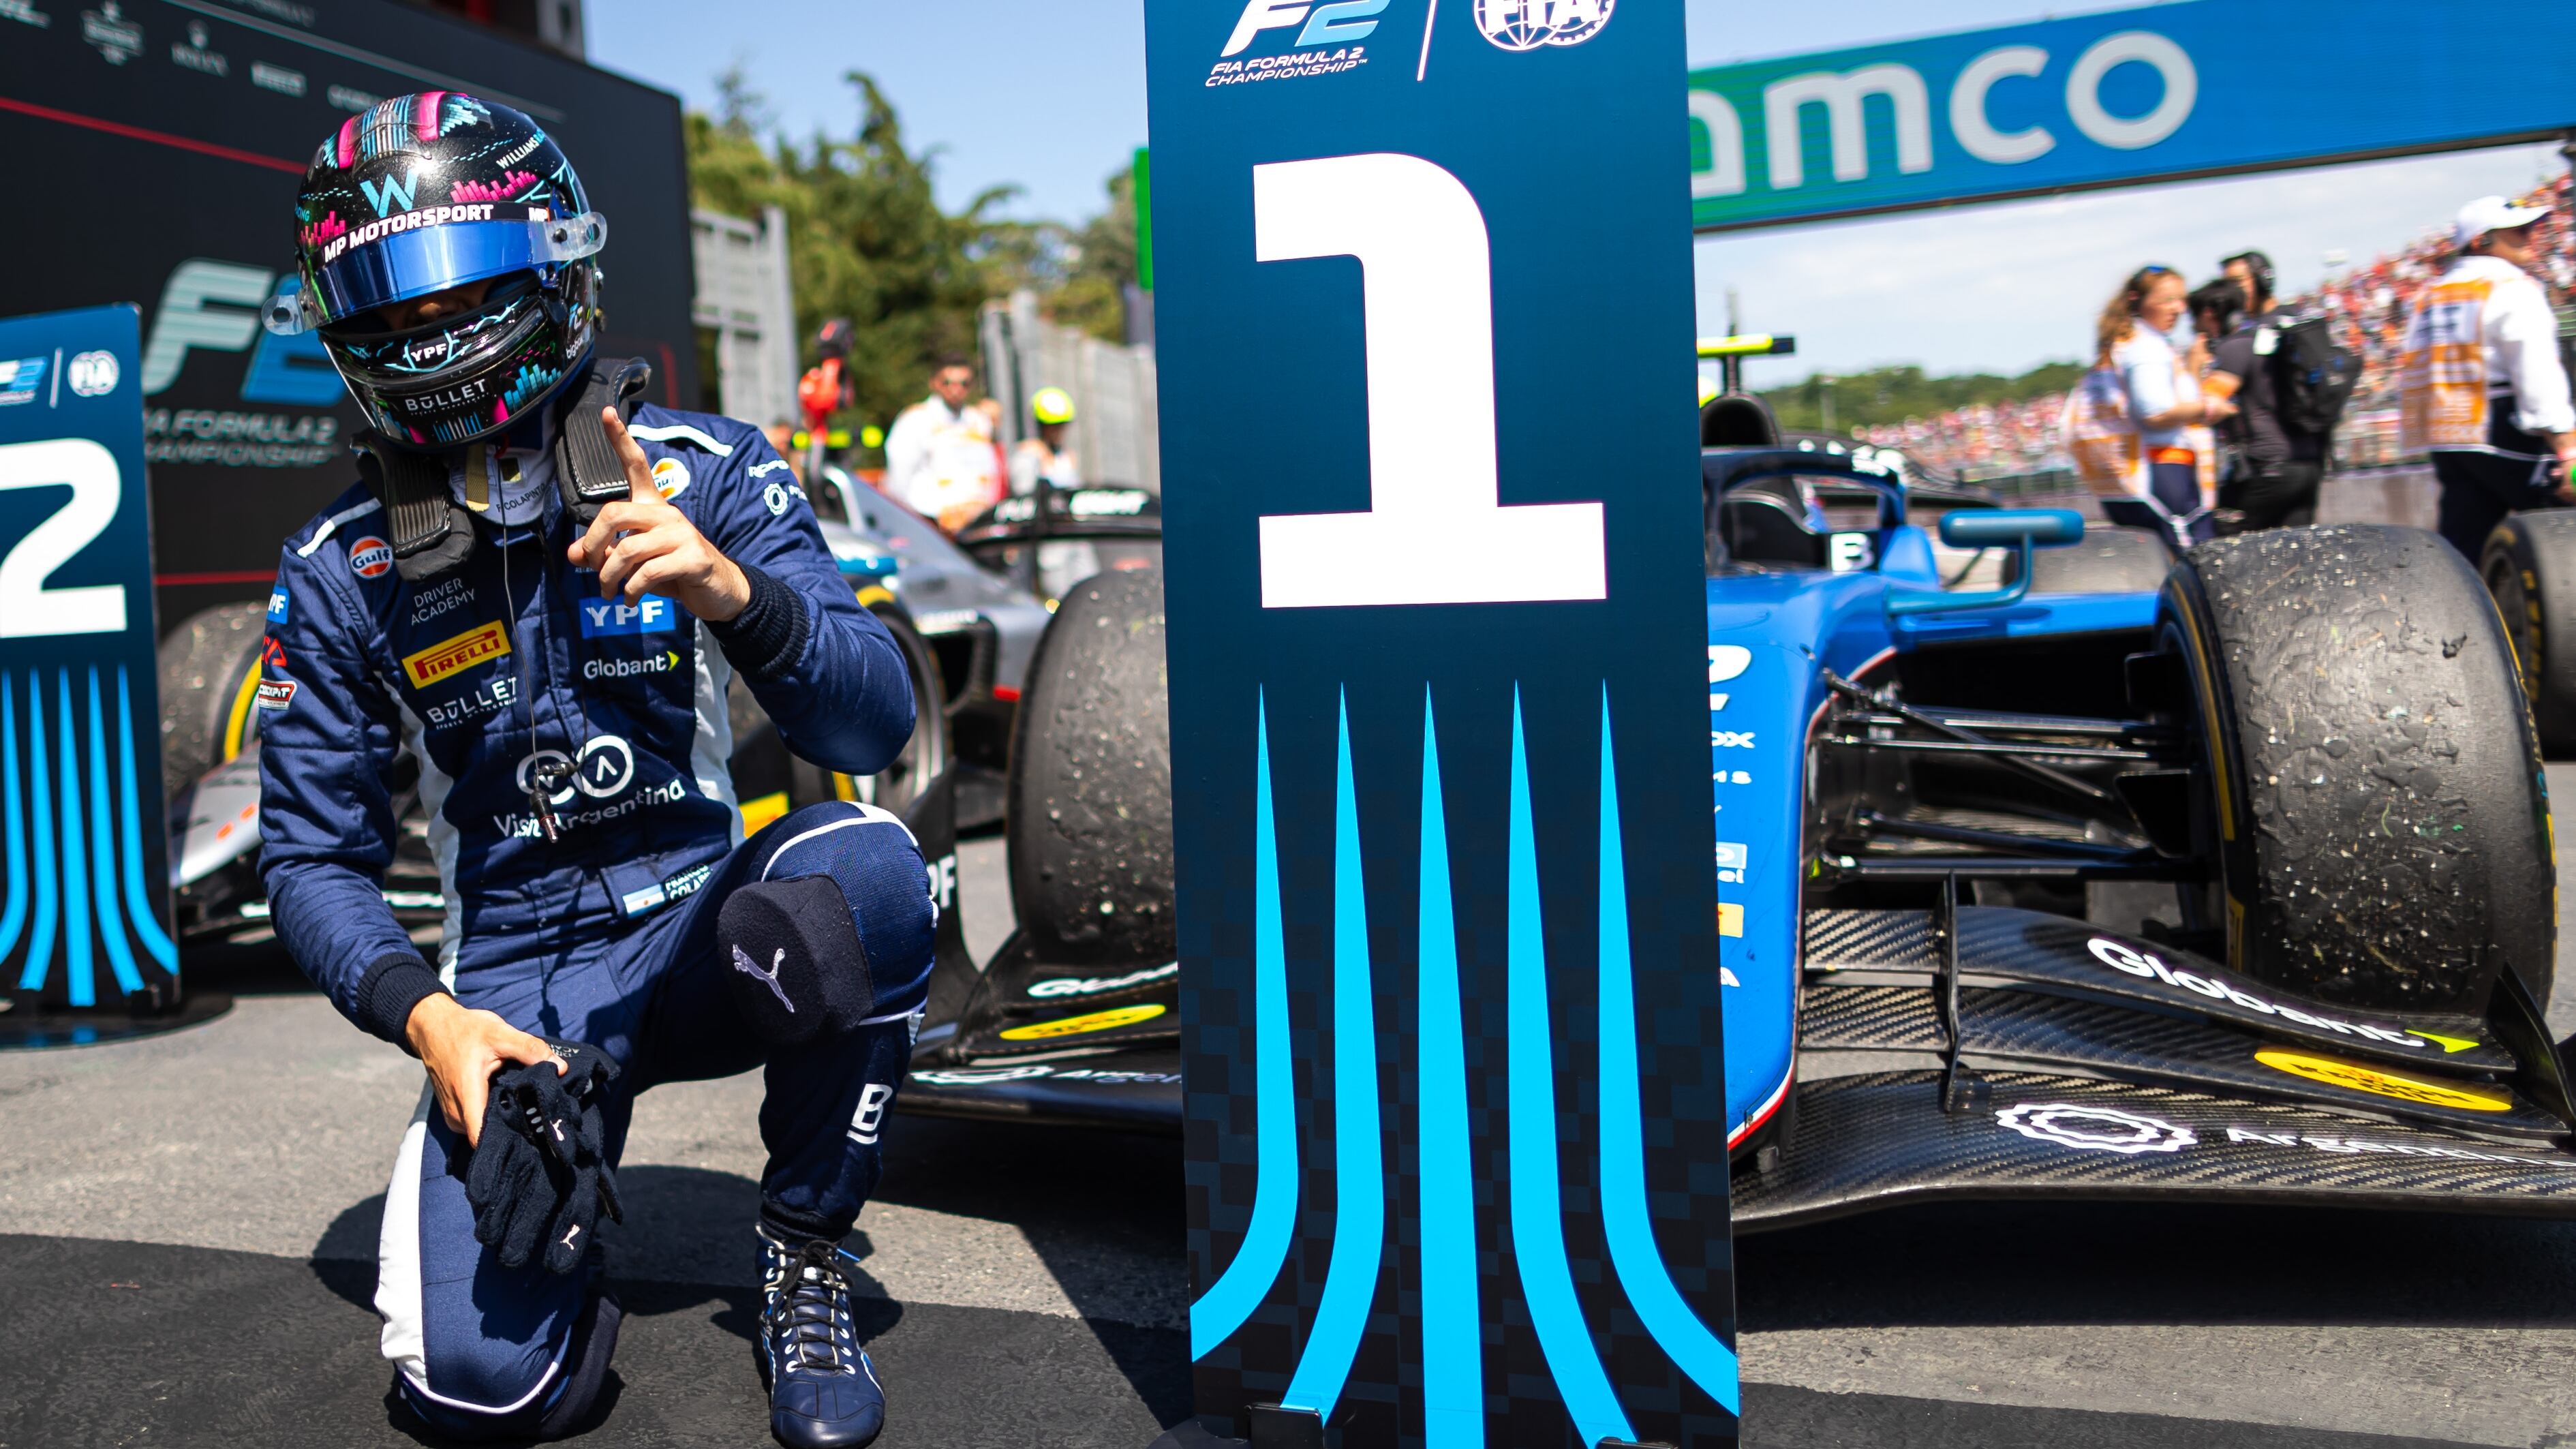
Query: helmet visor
x,y
398,258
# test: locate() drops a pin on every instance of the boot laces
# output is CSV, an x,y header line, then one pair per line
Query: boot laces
x,y
809,1308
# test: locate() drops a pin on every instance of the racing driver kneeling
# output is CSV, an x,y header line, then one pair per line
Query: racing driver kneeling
x,y
540,592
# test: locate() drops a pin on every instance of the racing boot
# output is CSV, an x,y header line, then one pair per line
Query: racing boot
x,y
823,1392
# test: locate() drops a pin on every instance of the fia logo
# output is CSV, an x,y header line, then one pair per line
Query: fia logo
x,y
1529,24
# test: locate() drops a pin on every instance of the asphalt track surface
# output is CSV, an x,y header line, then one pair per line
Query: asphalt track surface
x,y
188,1227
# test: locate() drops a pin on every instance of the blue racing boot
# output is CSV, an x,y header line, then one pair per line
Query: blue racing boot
x,y
823,1392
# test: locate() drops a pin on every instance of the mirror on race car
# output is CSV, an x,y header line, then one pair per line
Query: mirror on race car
x,y
2022,528
1997,527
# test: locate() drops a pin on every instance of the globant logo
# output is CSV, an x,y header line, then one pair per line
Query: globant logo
x,y
662,663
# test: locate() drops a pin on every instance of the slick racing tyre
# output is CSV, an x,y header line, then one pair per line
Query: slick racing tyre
x,y
209,669
2374,793
769,779
2530,568
1090,794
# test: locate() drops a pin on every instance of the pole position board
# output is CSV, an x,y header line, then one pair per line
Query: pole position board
x,y
84,885
1456,1112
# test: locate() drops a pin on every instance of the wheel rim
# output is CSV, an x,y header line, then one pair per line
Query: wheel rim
x,y
923,756
2513,608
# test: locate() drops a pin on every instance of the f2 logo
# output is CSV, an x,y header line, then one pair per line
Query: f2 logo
x,y
1435,532
871,1114
1335,24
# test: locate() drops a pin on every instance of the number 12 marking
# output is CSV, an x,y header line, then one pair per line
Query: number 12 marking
x,y
1435,532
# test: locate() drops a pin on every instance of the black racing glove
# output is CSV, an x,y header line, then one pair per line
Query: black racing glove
x,y
541,1170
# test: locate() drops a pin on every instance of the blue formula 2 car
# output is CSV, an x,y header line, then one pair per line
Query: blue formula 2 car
x,y
2051,863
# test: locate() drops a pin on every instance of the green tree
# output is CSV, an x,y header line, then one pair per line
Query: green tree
x,y
866,239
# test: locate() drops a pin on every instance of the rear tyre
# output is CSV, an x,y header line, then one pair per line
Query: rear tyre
x,y
1090,794
2530,569
2376,805
209,667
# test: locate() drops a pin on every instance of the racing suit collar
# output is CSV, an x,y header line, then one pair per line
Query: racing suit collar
x,y
517,492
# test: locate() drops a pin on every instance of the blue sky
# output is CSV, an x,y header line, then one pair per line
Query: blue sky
x,y
1050,96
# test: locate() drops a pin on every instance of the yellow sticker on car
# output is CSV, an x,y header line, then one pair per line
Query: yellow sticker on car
x,y
1087,1023
439,660
1730,919
2353,1076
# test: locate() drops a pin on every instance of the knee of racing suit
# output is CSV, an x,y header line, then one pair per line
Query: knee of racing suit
x,y
838,929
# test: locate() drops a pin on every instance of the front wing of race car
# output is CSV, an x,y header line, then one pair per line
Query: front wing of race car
x,y
1961,1053
1994,1053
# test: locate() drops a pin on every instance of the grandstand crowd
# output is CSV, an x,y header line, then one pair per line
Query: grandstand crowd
x,y
2367,305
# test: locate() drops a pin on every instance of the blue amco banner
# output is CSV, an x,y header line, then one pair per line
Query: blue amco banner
x,y
85,900
1456,1096
2157,93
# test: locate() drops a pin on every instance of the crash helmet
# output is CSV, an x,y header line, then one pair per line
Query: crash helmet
x,y
426,192
1051,405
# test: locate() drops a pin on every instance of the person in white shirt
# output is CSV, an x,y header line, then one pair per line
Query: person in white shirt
x,y
2480,385
2142,398
941,461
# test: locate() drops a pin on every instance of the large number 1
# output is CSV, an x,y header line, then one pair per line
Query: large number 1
x,y
1435,532
27,608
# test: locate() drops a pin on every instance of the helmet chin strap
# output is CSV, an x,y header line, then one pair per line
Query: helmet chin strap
x,y
432,532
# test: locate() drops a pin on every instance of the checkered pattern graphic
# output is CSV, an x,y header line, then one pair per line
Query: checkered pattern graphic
x,y
1682,1089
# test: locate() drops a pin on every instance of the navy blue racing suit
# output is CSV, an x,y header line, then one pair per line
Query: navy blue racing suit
x,y
606,934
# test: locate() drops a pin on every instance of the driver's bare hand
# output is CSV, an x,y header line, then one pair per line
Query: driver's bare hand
x,y
646,546
462,1048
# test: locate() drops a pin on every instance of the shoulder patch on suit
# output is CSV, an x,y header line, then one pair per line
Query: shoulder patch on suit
x,y
680,433
331,525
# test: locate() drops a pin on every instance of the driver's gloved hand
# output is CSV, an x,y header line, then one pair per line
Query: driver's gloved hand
x,y
540,1172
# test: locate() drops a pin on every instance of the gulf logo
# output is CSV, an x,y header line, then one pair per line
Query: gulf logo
x,y
671,477
369,557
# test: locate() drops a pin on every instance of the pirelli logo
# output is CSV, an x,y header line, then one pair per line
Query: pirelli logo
x,y
439,660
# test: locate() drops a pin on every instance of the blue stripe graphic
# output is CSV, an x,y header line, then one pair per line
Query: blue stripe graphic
x,y
138,905
102,851
1538,1236
79,978
1240,1288
1453,1380
40,941
1359,1182
1659,1304
13,911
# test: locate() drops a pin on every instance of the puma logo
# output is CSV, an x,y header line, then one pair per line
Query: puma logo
x,y
750,967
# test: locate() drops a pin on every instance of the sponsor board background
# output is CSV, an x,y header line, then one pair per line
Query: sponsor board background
x,y
147,136
1577,161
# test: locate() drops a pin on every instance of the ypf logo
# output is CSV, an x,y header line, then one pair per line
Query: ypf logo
x,y
1529,24
605,765
369,557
